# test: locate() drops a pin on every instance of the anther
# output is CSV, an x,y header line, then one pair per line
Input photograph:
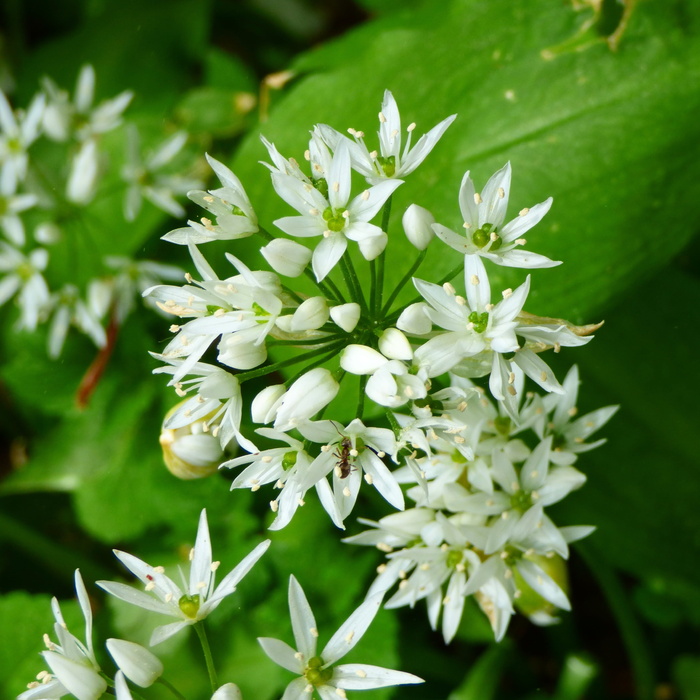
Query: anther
x,y
477,198
522,212
501,193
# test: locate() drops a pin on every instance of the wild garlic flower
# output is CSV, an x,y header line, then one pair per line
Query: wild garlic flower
x,y
68,309
483,216
145,179
22,277
198,597
334,217
11,206
319,674
64,119
17,133
74,668
391,161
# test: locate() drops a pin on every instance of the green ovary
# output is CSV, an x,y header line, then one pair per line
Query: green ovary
x,y
480,320
482,236
289,460
335,219
521,501
189,604
316,674
388,165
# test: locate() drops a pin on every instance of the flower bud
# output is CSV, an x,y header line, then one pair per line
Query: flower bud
x,y
414,319
346,316
361,359
306,397
310,315
137,663
394,345
230,691
286,257
264,406
239,351
190,452
417,224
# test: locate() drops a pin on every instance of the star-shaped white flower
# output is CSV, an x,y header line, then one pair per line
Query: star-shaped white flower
x,y
485,234
318,674
336,217
199,598
391,161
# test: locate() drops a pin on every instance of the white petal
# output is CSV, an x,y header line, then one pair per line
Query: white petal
x,y
303,621
351,631
365,676
282,654
543,584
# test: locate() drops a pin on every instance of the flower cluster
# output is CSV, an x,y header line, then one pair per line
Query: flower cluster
x,y
481,466
44,207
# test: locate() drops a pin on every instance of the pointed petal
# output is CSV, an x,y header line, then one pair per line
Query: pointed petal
x,y
351,631
282,654
366,676
303,621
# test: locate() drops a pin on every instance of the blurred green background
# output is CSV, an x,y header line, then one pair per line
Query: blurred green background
x,y
613,136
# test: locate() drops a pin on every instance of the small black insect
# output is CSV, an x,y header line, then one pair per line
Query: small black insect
x,y
344,464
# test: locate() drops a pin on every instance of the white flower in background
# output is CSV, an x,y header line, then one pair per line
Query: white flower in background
x,y
133,278
11,205
64,119
22,276
17,133
74,668
483,216
229,691
69,309
144,179
199,598
137,663
318,672
391,162
82,179
232,210
335,218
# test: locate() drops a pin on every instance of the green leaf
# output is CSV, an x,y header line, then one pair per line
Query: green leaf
x,y
686,674
482,679
625,199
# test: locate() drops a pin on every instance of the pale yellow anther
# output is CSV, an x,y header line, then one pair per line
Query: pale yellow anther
x,y
511,378
255,487
394,133
381,569
490,307
201,585
462,406
341,693
325,448
461,300
188,278
314,631
477,198
501,193
179,390
314,212
474,279
543,376
369,479
384,547
174,328
346,492
274,506
449,288
520,241
557,347
522,212
365,195
301,502
578,440
360,673
150,586
336,187
373,154
215,430
508,574
459,439
214,566
279,484
326,234
266,459
307,154
403,584
446,600
381,454
466,225
382,118
168,597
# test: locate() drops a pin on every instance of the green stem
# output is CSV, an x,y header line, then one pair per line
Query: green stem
x,y
334,289
318,362
265,234
268,369
332,338
393,422
353,284
373,286
418,262
640,657
201,633
171,688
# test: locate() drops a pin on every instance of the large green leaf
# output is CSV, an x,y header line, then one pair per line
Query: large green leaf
x,y
592,129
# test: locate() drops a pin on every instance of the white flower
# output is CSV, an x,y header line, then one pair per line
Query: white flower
x,y
199,598
22,276
121,687
391,161
68,308
483,216
11,205
473,325
318,672
335,218
346,316
229,691
234,214
144,179
137,663
73,664
16,136
64,119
